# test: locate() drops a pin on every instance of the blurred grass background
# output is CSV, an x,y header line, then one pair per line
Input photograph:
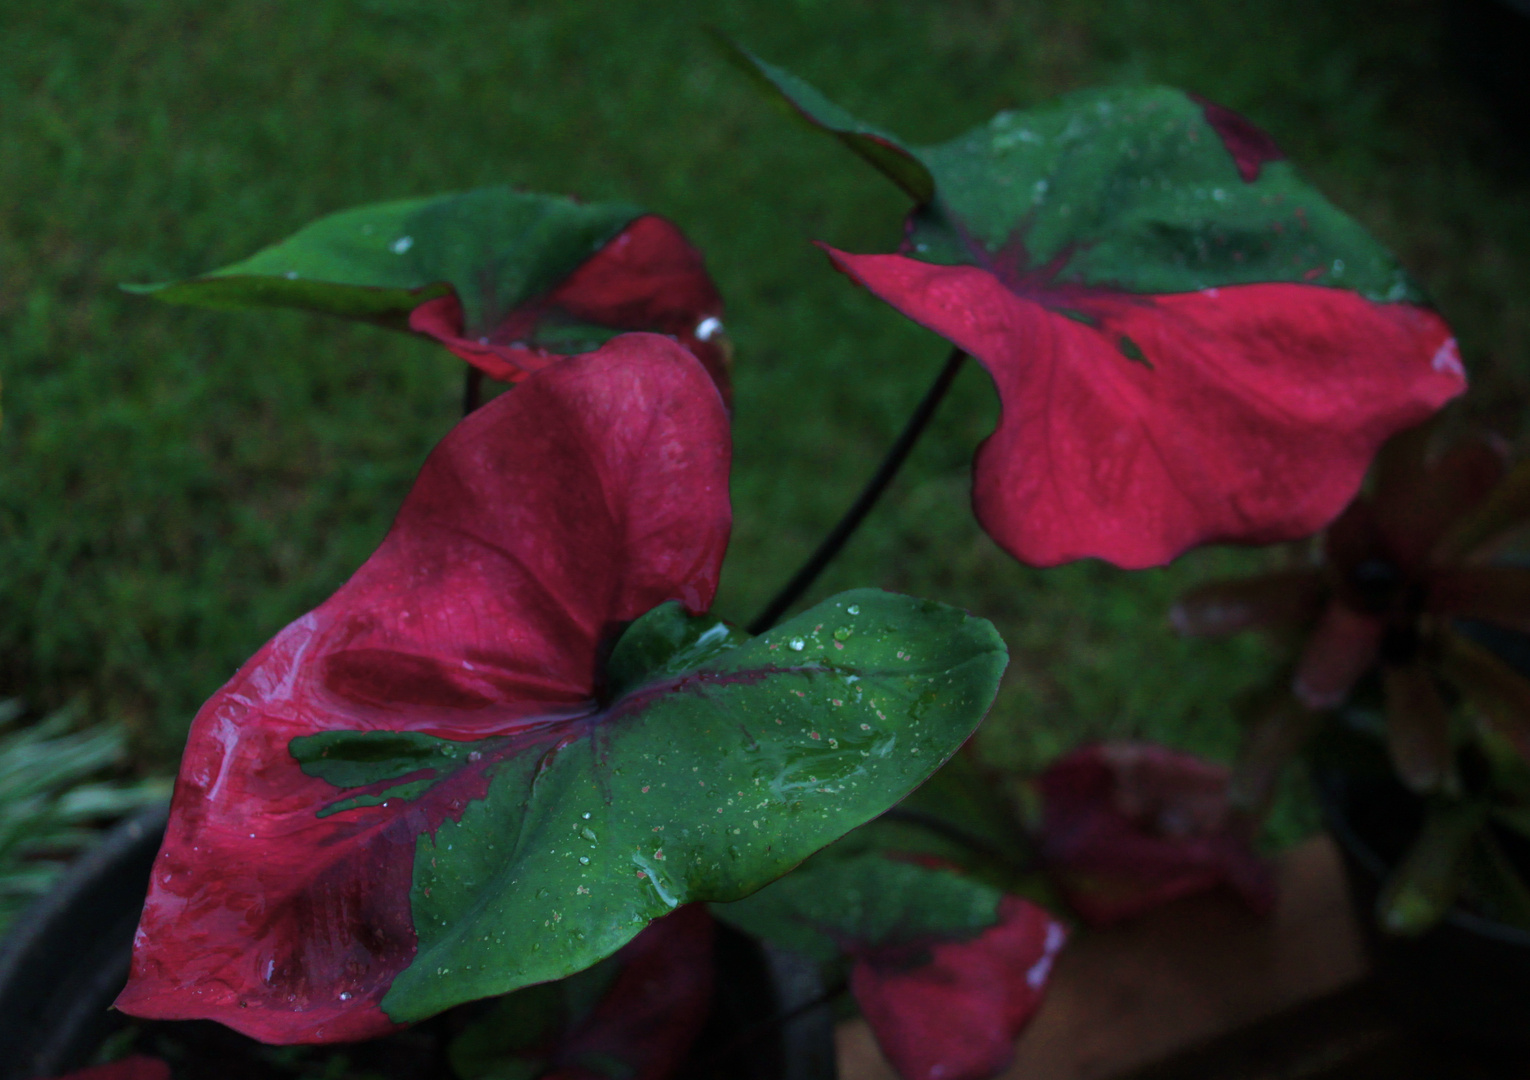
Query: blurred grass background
x,y
176,485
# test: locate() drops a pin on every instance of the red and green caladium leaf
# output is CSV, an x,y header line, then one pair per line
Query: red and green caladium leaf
x,y
945,969
508,280
1190,344
447,782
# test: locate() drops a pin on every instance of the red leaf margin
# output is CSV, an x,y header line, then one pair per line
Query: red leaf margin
x,y
543,522
1251,416
955,1013
648,277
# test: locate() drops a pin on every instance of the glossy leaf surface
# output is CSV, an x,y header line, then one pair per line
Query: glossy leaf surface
x,y
946,970
508,280
541,525
1129,826
1190,344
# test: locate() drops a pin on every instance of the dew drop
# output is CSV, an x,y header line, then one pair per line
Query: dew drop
x,y
401,245
796,644
854,609
587,832
584,860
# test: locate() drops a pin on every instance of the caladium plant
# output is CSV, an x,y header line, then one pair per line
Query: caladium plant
x,y
516,753
514,737
508,280
1190,344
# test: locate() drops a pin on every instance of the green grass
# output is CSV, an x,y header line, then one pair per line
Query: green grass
x,y
177,485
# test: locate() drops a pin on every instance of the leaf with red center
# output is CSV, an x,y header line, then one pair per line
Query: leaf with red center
x,y
440,786
508,280
946,970
637,1012
1129,826
1184,355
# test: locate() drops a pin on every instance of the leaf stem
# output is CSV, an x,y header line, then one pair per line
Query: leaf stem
x,y
836,539
472,389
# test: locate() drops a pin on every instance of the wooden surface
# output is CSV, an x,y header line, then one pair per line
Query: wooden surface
x,y
1177,979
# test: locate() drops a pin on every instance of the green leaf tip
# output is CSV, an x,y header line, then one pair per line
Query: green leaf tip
x,y
805,103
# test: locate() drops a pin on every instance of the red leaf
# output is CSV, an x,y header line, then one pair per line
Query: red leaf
x,y
137,1067
952,1010
648,277
1128,826
1249,145
545,520
655,1008
1135,427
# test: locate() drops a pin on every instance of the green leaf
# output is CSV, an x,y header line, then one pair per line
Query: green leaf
x,y
799,100
494,247
1422,888
844,895
699,783
1124,188
665,643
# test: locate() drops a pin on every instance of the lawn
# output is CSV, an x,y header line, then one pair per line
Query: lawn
x,y
177,485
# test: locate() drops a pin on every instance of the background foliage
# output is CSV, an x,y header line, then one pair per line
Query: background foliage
x,y
176,485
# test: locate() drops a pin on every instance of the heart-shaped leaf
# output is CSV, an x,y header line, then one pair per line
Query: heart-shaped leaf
x,y
946,970
440,786
1190,344
508,280
540,526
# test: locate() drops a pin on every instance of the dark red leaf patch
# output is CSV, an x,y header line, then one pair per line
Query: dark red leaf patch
x,y
1249,144
1128,826
654,1010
